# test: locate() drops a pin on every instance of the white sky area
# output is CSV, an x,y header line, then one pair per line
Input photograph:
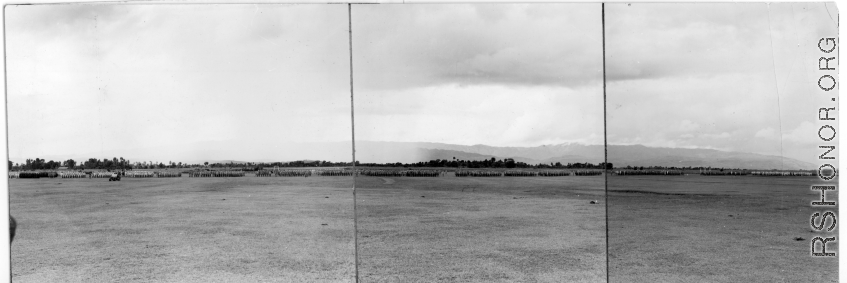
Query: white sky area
x,y
178,82
737,77
493,74
271,82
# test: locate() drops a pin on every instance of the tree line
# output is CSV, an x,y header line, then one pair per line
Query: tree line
x,y
119,163
261,165
630,167
91,163
490,163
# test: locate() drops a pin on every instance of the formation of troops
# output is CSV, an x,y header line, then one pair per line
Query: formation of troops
x,y
512,173
73,174
381,173
388,173
101,174
773,173
334,173
200,174
649,172
554,173
587,173
478,173
400,173
32,175
424,173
139,174
723,173
522,173
283,173
168,174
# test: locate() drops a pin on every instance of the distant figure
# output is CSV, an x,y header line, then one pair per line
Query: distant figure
x,y
12,226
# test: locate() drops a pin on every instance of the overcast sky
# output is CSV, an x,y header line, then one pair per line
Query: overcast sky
x,y
178,82
496,74
738,77
195,82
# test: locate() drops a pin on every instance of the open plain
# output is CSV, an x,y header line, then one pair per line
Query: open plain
x,y
481,229
245,229
715,229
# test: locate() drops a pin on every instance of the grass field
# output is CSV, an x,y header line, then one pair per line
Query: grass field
x,y
715,229
448,229
244,229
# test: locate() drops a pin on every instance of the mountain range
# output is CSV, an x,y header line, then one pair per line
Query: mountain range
x,y
618,155
411,152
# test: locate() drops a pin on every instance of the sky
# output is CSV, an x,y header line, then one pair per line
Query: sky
x,y
735,77
178,82
493,74
272,82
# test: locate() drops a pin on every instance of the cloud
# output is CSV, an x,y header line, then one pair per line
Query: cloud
x,y
648,41
491,115
687,126
728,76
767,133
407,46
495,74
101,78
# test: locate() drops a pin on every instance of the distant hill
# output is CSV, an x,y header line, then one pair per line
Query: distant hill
x,y
639,155
409,152
256,161
619,155
221,162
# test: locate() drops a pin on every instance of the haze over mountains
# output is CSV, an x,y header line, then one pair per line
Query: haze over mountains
x,y
411,152
619,155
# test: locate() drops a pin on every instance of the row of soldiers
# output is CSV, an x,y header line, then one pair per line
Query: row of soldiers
x,y
334,173
100,174
400,173
168,174
554,173
773,173
587,173
423,173
426,173
381,173
32,175
649,172
518,173
284,173
290,173
73,174
139,174
478,173
723,173
200,174
62,174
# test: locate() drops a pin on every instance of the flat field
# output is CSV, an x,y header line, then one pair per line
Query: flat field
x,y
715,229
481,229
244,229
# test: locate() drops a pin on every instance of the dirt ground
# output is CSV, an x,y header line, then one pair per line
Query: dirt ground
x,y
715,229
243,229
494,229
449,229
